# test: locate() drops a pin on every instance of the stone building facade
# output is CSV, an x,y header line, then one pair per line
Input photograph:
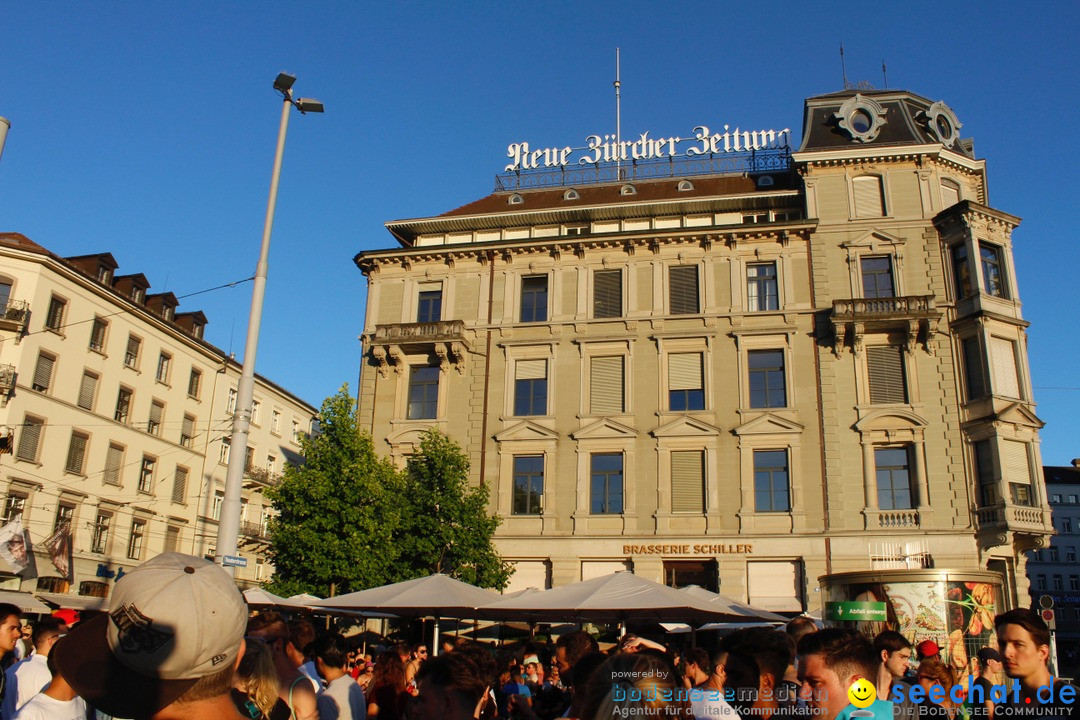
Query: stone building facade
x,y
744,379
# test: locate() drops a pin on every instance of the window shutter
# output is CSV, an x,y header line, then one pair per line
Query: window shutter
x,y
606,380
1014,459
885,368
112,465
28,443
687,481
683,280
868,196
86,391
76,453
531,369
172,538
973,368
1003,359
155,413
950,194
187,428
133,347
179,488
775,585
607,293
684,371
43,372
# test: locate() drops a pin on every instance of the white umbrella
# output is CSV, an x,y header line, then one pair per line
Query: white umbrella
x,y
749,613
257,597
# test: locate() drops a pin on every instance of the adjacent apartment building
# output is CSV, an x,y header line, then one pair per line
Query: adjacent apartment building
x,y
115,416
720,361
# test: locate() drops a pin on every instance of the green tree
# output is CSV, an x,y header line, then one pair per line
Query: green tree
x,y
337,514
447,526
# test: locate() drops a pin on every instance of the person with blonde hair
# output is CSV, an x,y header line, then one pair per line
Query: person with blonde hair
x,y
255,685
641,684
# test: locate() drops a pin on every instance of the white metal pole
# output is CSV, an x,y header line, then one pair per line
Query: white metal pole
x,y
229,524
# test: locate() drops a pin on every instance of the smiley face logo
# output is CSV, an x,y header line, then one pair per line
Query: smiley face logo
x,y
862,693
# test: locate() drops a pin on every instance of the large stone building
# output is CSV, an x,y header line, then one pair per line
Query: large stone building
x,y
736,365
115,416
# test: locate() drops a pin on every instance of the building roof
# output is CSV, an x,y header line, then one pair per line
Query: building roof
x,y
1062,475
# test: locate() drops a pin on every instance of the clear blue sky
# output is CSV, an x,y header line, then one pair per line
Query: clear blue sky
x,y
147,130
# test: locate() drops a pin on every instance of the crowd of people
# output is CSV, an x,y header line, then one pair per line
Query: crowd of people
x,y
178,644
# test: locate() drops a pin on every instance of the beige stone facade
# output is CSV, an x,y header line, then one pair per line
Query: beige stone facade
x,y
117,414
743,380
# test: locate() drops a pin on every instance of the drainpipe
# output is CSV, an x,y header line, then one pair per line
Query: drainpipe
x,y
487,367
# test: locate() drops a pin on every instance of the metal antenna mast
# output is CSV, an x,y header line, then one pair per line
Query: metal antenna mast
x,y
885,74
618,118
843,66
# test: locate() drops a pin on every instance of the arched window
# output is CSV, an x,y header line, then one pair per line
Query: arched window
x,y
571,194
869,198
685,185
628,190
950,193
516,199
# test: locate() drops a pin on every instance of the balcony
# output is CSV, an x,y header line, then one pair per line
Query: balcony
x,y
1027,527
853,318
447,339
254,531
261,477
14,315
7,379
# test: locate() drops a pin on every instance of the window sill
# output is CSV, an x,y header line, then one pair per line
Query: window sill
x,y
98,351
133,368
56,331
35,463
164,383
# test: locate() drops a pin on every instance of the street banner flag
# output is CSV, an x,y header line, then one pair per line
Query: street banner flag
x,y
14,546
59,546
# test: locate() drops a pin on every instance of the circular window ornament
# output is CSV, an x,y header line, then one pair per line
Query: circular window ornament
x,y
861,118
942,123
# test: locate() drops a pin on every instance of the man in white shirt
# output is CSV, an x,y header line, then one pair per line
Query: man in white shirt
x,y
29,676
342,699
56,702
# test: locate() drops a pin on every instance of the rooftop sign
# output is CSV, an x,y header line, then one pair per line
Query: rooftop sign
x,y
607,149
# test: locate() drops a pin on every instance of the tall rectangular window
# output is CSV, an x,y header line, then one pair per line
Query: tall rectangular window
x,y
179,488
215,509
14,507
686,390
869,196
54,319
423,392
157,412
771,486
893,467
275,422
172,538
30,439
534,298
429,303
761,288
114,461
146,474
973,368
256,406
230,402
767,385
225,450
607,294
87,390
992,270
885,371
194,383
1003,361
989,494
135,542
961,271
1016,467
606,385
43,373
606,483
683,289
99,543
688,481
877,277
76,452
530,387
187,431
528,484
131,354
164,363
97,335
65,512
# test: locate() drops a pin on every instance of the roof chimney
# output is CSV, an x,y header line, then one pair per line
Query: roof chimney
x,y
1076,462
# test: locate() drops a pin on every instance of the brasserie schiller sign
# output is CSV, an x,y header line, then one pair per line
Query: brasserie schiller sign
x,y
606,148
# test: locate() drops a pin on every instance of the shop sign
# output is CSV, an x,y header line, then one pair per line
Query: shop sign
x,y
856,611
701,549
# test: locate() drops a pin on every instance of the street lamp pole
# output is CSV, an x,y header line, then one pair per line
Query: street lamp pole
x,y
229,523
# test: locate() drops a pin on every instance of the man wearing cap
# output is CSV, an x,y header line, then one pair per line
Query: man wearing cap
x,y
989,676
167,648
31,675
928,649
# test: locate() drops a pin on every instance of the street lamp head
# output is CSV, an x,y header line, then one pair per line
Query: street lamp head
x,y
309,105
284,82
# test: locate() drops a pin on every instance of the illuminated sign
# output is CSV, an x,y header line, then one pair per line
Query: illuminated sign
x,y
606,148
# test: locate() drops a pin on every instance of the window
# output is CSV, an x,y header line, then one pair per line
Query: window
x,y
123,405
64,514
53,585
993,277
606,483
423,393
1040,582
1070,554
1072,499
950,193
249,459
157,410
767,386
1003,362
984,468
429,303
1055,498
973,368
688,481
114,461
87,390
54,320
131,355
1066,526
869,198
528,484
99,542
534,298
163,364
230,404
761,288
172,538
1054,554
146,474
14,507
683,289
194,383
1059,583
295,432
43,373
1074,582
76,452
30,439
606,385
1017,471
179,488
686,391
224,451
187,431
961,271
135,543
771,493
877,277
275,422
255,407
885,371
530,387
215,509
893,478
607,294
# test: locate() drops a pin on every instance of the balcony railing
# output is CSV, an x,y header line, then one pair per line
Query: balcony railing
x,y
404,333
446,339
898,518
14,315
262,476
253,530
910,306
7,378
852,318
1019,518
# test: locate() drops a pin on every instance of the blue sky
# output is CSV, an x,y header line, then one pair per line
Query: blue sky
x,y
147,130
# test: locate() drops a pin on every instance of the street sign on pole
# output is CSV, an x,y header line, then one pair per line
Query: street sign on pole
x,y
234,561
1048,618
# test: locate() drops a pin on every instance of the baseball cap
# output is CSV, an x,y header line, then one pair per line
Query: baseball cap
x,y
988,653
927,648
172,620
